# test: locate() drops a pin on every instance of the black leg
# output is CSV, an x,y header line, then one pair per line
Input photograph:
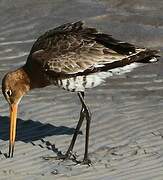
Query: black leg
x,y
86,160
82,115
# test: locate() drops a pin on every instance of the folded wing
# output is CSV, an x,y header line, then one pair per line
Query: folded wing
x,y
73,49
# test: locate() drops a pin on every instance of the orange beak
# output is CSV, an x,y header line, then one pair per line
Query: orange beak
x,y
13,120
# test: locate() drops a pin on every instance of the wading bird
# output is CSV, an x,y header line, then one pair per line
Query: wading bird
x,y
74,57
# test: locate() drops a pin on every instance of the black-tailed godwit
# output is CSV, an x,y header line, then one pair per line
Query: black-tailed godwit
x,y
73,57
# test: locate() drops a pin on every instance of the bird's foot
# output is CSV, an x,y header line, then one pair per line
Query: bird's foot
x,y
58,157
70,156
63,156
49,157
66,156
86,161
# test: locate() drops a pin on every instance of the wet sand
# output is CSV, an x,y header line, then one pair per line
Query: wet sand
x,y
127,124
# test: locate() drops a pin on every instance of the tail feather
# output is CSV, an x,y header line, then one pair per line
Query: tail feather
x,y
147,55
143,56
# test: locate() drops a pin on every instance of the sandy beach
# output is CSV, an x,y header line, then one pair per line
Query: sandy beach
x,y
126,140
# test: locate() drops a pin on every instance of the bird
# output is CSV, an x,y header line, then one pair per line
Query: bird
x,y
73,57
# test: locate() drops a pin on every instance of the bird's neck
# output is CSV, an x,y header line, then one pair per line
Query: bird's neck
x,y
34,76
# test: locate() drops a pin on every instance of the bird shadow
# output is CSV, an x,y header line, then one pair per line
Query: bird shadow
x,y
29,130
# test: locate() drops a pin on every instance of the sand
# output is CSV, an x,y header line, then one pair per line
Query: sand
x,y
126,140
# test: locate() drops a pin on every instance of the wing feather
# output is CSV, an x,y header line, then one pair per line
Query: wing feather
x,y
72,48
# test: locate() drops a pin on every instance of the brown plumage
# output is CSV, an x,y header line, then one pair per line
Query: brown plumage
x,y
66,56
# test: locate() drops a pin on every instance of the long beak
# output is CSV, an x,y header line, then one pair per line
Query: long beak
x,y
13,120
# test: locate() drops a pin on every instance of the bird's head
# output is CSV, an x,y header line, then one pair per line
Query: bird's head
x,y
14,85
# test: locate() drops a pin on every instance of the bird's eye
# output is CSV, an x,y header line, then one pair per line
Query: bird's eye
x,y
8,93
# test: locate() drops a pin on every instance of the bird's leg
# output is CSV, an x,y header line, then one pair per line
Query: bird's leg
x,y
69,151
82,115
86,160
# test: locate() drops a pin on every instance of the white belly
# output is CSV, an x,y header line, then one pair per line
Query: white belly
x,y
80,83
